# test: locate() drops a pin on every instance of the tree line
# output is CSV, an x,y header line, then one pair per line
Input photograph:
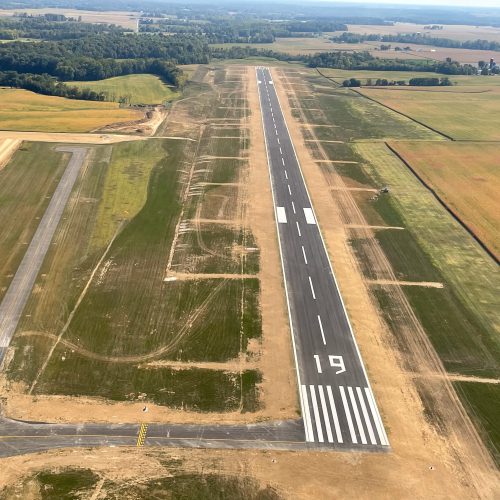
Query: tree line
x,y
415,82
419,39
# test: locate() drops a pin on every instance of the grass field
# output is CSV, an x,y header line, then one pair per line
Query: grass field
x,y
120,322
71,483
483,400
466,176
476,118
137,89
26,185
121,18
27,111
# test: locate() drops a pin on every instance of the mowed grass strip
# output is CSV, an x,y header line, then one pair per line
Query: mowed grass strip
x,y
26,111
466,176
437,248
26,186
135,89
458,114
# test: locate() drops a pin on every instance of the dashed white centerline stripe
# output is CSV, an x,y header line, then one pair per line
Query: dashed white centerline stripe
x,y
278,140
286,175
304,254
283,161
347,412
336,424
281,152
307,415
366,416
289,190
293,207
298,228
312,288
319,430
321,329
318,364
356,415
326,418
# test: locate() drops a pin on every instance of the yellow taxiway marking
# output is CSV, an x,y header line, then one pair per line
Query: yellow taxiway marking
x,y
142,435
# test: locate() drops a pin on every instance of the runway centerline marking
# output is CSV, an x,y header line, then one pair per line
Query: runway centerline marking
x,y
293,207
321,329
304,254
312,288
283,161
298,228
289,189
286,174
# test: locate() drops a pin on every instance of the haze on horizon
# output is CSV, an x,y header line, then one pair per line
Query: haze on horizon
x,y
423,3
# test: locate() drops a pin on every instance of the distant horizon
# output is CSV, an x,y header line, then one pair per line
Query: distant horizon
x,y
423,3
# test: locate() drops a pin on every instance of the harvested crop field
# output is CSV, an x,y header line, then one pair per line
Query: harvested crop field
x,y
133,89
462,113
26,111
466,176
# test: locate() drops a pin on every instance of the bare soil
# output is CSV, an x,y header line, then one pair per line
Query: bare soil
x,y
7,148
147,126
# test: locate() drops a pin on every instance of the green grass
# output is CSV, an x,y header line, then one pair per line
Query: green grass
x,y
196,487
483,401
66,484
26,185
137,89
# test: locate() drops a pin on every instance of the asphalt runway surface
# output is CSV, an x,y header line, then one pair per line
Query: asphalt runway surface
x,y
21,285
338,405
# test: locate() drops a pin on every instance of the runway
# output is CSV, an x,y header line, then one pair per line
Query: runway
x,y
338,405
21,285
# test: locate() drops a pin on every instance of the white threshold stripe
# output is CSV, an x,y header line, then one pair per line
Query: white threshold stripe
x,y
321,329
336,423
312,288
298,228
281,215
376,417
366,416
319,430
318,364
326,418
293,207
289,190
304,254
356,415
309,216
307,415
347,412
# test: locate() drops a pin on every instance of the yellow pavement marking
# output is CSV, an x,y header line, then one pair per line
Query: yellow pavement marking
x,y
142,435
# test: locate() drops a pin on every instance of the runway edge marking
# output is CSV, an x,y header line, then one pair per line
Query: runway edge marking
x,y
331,267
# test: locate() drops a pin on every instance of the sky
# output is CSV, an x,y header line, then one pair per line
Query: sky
x,y
455,3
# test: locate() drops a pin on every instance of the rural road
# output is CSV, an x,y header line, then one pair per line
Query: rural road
x,y
338,405
20,287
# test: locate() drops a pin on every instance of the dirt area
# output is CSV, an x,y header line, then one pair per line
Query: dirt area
x,y
147,126
78,138
455,448
7,148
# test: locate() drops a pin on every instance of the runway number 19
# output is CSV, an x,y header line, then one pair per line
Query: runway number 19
x,y
334,361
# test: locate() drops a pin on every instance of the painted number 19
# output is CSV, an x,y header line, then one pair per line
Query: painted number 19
x,y
336,362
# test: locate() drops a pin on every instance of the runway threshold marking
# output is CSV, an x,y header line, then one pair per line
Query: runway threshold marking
x,y
142,435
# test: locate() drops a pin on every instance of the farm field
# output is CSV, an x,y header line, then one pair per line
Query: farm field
x,y
137,89
476,118
120,18
406,236
162,292
466,176
26,111
454,32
